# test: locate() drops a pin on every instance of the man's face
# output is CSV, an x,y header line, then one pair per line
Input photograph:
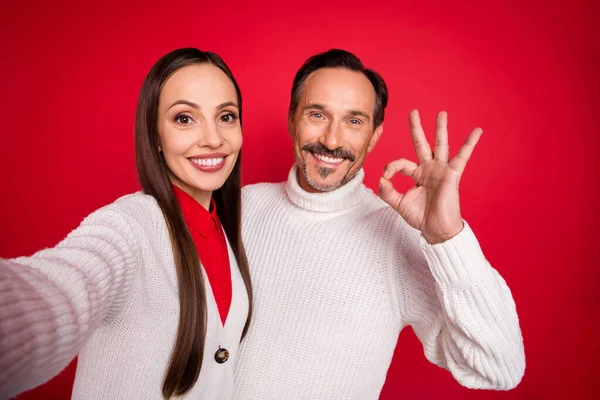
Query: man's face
x,y
332,128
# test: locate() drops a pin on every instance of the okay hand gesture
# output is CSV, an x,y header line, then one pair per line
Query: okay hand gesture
x,y
432,205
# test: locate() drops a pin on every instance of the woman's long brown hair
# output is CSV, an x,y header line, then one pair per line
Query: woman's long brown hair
x,y
186,359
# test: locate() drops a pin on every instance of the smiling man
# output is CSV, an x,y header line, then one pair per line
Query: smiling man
x,y
338,271
332,127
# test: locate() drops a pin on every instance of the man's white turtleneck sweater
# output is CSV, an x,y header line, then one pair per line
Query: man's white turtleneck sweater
x,y
337,276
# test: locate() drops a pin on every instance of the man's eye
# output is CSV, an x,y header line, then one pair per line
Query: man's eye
x,y
354,122
317,115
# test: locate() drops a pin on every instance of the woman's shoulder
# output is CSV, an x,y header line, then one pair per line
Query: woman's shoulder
x,y
133,209
136,202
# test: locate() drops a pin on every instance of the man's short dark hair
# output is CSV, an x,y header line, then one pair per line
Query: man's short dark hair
x,y
340,59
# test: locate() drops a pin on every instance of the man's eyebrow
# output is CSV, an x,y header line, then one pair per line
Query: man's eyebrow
x,y
186,102
315,106
358,113
321,107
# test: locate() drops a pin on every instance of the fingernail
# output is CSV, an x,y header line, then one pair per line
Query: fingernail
x,y
379,188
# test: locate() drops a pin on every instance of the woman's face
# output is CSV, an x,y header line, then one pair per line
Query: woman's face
x,y
199,128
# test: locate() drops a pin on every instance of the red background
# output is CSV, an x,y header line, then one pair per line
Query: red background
x,y
527,72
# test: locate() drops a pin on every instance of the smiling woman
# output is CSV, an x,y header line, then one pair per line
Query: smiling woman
x,y
199,129
137,268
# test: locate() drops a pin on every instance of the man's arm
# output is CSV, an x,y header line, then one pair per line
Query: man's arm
x,y
462,311
459,306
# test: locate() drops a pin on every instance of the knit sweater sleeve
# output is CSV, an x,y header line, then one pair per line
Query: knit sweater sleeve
x,y
462,311
53,301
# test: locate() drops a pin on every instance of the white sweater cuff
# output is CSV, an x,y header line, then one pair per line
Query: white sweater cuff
x,y
457,260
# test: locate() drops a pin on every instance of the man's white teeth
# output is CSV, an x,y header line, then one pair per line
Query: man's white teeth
x,y
207,162
328,159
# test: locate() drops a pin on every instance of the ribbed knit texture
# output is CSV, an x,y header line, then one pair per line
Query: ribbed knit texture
x,y
338,275
108,292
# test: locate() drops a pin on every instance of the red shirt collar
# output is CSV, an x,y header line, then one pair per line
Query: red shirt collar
x,y
196,216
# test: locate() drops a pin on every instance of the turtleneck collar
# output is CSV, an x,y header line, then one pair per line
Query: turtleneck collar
x,y
347,196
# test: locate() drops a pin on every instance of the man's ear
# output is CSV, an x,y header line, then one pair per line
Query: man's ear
x,y
375,137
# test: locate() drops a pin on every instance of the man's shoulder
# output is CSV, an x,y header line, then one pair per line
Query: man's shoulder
x,y
260,199
259,190
375,207
378,212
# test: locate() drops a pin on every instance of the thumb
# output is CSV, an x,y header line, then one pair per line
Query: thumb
x,y
388,193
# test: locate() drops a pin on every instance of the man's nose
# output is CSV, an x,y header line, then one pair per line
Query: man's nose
x,y
332,137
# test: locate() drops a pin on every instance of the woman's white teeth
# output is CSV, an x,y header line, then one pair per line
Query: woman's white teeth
x,y
330,160
207,162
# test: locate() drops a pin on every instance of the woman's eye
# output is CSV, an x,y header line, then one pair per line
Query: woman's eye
x,y
183,119
229,118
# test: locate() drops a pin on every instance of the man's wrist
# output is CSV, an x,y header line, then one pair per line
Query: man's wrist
x,y
438,239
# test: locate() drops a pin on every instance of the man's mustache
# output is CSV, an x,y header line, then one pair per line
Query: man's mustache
x,y
339,152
